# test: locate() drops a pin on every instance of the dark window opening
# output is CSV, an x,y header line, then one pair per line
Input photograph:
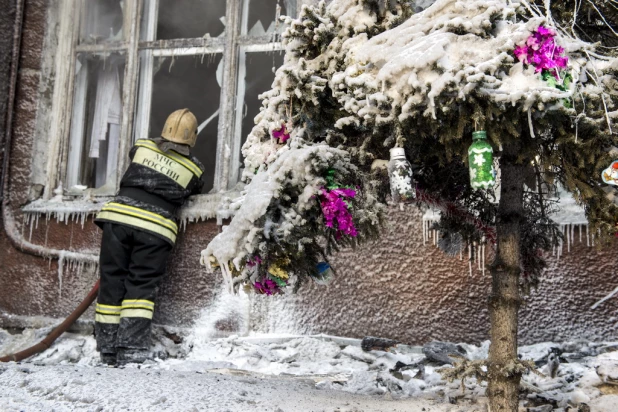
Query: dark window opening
x,y
189,82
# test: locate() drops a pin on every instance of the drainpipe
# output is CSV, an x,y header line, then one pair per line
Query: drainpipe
x,y
8,219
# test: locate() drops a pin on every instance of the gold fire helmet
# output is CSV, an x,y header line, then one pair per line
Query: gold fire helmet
x,y
181,127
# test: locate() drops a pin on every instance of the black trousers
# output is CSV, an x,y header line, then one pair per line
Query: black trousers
x,y
132,264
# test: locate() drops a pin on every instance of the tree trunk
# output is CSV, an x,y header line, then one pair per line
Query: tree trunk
x,y
503,387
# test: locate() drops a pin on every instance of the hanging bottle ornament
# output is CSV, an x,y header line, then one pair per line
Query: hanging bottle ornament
x,y
610,175
400,175
481,162
325,273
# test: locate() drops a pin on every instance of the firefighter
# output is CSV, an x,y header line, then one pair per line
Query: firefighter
x,y
139,231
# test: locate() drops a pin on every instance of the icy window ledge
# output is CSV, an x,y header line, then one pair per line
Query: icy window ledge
x,y
67,209
64,209
209,206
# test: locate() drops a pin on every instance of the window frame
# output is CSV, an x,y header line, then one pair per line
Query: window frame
x,y
134,120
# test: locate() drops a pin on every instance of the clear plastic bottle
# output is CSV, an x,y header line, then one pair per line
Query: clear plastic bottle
x,y
400,174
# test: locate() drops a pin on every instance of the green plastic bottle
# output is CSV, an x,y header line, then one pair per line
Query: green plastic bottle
x,y
481,162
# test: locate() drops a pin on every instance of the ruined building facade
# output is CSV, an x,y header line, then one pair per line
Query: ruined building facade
x,y
80,80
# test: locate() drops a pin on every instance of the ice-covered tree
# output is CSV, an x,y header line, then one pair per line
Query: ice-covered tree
x,y
361,77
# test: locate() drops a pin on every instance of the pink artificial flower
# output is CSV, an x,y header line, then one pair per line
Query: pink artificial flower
x,y
267,287
545,31
281,134
521,52
336,210
542,52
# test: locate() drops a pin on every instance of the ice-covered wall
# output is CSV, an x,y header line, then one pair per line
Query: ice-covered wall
x,y
399,288
396,287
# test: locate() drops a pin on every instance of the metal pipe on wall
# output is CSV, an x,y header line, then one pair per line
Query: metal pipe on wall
x,y
15,52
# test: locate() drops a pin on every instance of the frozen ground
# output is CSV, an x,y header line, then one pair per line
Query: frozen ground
x,y
286,373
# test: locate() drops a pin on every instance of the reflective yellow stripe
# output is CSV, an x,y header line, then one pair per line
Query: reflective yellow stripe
x,y
179,158
136,301
136,313
108,312
163,164
141,213
137,307
107,318
137,222
186,162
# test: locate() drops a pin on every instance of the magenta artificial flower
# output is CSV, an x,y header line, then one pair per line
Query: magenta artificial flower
x,y
281,134
545,31
255,260
267,287
335,209
542,52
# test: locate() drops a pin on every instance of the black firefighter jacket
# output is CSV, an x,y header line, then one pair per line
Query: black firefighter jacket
x,y
154,187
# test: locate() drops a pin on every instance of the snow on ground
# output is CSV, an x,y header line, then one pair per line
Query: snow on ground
x,y
285,373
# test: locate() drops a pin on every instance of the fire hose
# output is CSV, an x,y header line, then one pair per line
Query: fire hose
x,y
56,332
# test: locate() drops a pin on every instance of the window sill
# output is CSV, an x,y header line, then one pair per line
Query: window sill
x,y
66,208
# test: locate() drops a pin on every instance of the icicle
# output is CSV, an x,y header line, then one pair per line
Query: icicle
x,y
579,229
572,234
31,227
483,255
478,255
227,278
461,253
568,237
530,124
46,232
37,221
60,270
587,235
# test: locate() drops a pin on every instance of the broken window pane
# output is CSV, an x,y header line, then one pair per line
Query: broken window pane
x,y
263,16
102,21
259,72
191,82
186,19
95,122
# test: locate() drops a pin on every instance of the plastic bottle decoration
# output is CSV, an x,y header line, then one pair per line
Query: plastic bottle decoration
x,y
481,162
400,175
610,175
325,273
